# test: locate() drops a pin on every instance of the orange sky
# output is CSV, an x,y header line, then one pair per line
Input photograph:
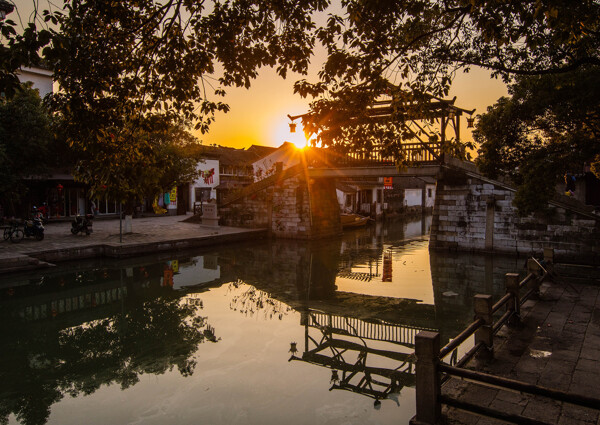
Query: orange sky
x,y
258,115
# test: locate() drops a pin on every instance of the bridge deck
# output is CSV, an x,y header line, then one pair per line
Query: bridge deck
x,y
375,171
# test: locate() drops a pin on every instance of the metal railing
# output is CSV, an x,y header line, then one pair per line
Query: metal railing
x,y
432,372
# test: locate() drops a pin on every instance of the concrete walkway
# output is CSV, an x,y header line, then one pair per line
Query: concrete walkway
x,y
558,346
148,235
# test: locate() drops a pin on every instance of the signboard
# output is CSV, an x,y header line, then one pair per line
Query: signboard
x,y
174,195
207,175
387,182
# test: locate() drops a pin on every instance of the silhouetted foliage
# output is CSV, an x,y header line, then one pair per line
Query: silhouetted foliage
x,y
134,75
25,142
548,126
407,49
132,65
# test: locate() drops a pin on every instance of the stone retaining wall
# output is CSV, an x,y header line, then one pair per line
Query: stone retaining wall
x,y
290,210
473,213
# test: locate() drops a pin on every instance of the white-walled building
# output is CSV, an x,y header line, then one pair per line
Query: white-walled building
x,y
40,77
223,171
413,197
285,156
429,193
203,188
364,197
373,198
412,193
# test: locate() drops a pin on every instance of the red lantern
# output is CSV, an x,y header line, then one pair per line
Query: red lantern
x,y
59,187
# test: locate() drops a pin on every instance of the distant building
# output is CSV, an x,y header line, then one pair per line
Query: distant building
x,y
371,197
203,189
222,171
285,156
40,77
411,194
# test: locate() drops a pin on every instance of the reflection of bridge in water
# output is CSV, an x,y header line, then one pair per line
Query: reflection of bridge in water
x,y
373,330
348,345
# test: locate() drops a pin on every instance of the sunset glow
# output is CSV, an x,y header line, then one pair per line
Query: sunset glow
x,y
282,134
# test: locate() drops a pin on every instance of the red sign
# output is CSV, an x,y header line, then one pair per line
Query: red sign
x,y
387,182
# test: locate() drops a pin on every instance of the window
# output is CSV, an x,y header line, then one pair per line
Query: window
x,y
429,193
202,194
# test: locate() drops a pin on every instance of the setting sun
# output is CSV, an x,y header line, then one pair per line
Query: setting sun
x,y
283,134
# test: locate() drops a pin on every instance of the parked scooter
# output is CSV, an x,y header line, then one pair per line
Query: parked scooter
x,y
82,224
31,228
34,228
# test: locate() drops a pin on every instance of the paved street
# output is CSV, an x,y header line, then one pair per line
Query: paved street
x,y
558,347
148,234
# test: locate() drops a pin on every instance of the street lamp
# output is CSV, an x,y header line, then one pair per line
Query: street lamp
x,y
292,118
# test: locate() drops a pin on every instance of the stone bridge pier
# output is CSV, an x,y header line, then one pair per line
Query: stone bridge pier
x,y
471,212
291,205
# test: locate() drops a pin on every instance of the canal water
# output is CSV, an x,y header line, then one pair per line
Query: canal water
x,y
265,332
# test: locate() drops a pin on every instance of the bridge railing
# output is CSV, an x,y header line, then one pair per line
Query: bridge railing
x,y
380,330
432,371
415,153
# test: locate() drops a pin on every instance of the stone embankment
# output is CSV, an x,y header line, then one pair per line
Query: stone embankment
x,y
473,212
149,235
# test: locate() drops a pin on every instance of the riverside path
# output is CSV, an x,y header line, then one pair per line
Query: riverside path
x,y
149,235
557,346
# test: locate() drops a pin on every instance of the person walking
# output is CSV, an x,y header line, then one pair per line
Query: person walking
x,y
93,208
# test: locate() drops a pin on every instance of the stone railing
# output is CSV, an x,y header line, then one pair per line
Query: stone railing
x,y
432,372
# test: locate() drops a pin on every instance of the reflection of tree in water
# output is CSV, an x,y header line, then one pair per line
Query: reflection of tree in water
x,y
151,337
253,300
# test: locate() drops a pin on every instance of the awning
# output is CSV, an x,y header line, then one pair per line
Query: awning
x,y
345,188
362,185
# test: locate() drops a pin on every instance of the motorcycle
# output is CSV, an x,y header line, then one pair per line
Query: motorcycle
x,y
31,228
82,224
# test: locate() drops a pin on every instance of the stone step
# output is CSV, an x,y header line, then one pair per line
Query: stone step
x,y
10,263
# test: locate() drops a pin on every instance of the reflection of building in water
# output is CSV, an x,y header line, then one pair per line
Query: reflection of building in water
x,y
372,358
363,276
387,266
74,297
66,299
203,270
71,332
